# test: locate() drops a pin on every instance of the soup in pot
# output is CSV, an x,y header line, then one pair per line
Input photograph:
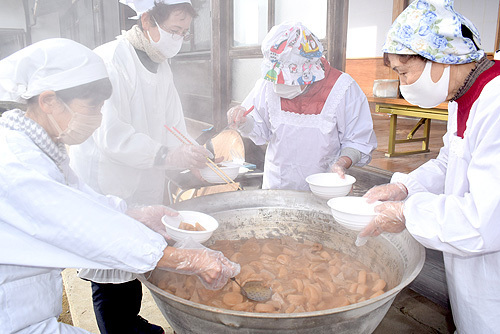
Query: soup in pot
x,y
304,277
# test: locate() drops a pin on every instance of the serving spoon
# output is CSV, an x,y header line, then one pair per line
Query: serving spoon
x,y
254,290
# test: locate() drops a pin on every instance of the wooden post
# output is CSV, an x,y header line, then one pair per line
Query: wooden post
x,y
497,37
220,61
337,18
397,8
27,17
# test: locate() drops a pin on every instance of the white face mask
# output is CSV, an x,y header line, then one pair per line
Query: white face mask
x,y
287,91
80,127
167,45
424,92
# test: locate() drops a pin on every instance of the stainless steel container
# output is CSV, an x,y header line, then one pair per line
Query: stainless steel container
x,y
274,213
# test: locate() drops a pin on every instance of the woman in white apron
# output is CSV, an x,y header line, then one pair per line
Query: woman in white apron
x,y
313,117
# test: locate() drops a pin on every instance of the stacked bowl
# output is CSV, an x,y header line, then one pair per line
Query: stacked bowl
x,y
352,212
330,185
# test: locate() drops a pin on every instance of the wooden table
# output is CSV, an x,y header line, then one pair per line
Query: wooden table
x,y
397,106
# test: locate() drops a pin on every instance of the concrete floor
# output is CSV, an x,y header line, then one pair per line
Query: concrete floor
x,y
410,312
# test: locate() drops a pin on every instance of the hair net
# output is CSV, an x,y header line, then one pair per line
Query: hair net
x,y
52,64
433,29
292,55
142,6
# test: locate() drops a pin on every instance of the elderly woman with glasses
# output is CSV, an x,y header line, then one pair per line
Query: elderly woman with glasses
x,y
450,203
129,154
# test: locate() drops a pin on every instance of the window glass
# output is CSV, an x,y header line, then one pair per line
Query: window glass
x,y
368,24
245,72
200,28
311,13
250,22
11,40
193,80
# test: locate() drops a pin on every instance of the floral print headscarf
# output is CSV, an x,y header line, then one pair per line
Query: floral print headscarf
x,y
292,55
432,29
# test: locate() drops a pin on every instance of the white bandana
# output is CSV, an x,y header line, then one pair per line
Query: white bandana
x,y
142,6
51,64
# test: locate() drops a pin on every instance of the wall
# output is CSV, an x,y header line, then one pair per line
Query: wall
x,y
483,13
369,21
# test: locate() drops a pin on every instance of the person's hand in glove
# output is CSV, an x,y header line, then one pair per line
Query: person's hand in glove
x,y
237,120
151,217
235,117
341,166
390,219
211,267
387,192
188,156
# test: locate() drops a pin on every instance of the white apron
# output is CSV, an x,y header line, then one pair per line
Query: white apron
x,y
300,145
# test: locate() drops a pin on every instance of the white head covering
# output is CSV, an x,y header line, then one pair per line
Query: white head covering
x,y
142,6
52,64
292,55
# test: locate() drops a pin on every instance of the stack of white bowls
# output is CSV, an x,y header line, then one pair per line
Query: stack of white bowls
x,y
229,168
352,212
330,185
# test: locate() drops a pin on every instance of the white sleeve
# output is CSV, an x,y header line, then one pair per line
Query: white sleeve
x,y
261,132
356,124
464,219
429,177
46,223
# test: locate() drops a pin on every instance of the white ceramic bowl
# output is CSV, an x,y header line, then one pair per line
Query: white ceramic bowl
x,y
352,212
192,217
329,185
229,168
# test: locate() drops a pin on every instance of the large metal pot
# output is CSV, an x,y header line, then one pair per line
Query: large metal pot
x,y
274,213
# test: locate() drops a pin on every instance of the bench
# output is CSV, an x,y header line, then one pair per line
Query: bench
x,y
397,106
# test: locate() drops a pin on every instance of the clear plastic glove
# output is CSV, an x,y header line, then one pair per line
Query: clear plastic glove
x,y
390,219
188,156
341,166
191,258
151,217
235,118
387,192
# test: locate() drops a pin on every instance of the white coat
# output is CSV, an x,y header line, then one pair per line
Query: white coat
x,y
50,220
300,145
119,157
454,206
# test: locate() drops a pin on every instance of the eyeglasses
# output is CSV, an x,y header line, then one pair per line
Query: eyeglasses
x,y
176,35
